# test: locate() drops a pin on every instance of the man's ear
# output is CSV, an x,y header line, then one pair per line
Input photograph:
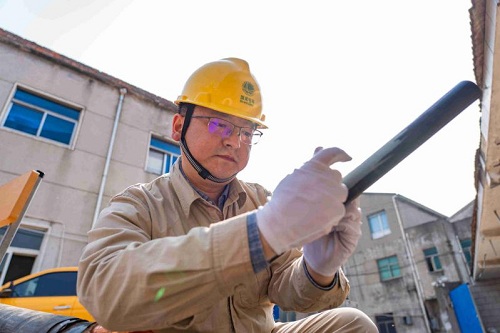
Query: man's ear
x,y
177,123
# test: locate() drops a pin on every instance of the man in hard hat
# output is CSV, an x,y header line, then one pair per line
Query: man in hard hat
x,y
198,250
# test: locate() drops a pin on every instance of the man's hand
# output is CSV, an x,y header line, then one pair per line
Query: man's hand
x,y
325,255
306,204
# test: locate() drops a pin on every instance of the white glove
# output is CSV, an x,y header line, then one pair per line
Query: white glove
x,y
306,204
326,254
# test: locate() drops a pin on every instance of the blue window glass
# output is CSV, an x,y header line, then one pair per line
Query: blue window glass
x,y
58,129
24,238
165,146
379,227
23,119
162,155
50,284
43,103
41,117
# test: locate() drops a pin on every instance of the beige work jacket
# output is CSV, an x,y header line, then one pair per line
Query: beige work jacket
x,y
162,258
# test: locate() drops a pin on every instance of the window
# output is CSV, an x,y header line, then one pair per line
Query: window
x,y
19,265
388,268
21,255
38,116
466,246
432,259
162,155
379,226
52,284
385,323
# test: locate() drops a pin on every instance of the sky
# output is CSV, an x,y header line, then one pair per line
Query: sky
x,y
350,74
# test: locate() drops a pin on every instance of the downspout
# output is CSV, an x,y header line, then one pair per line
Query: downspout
x,y
456,251
414,271
123,91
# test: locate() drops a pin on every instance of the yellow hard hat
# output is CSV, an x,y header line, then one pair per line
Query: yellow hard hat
x,y
225,86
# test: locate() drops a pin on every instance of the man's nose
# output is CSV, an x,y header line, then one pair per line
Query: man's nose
x,y
233,139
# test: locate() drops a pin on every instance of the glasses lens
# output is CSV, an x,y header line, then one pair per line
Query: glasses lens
x,y
246,135
220,127
255,137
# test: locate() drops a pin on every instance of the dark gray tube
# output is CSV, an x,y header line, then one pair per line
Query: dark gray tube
x,y
410,138
20,320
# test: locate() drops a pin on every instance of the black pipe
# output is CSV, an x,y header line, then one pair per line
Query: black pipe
x,y
410,138
19,320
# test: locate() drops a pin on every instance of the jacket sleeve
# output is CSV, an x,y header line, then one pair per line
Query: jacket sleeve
x,y
293,290
129,281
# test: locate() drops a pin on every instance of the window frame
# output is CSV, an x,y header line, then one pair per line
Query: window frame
x,y
11,100
39,283
385,231
173,156
385,322
466,249
15,250
432,259
390,268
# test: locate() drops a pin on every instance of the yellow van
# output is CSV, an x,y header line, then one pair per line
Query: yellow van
x,y
52,290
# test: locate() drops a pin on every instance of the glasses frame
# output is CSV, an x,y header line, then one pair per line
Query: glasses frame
x,y
256,134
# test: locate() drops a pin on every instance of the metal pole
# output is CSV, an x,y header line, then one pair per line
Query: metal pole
x,y
414,271
410,138
123,91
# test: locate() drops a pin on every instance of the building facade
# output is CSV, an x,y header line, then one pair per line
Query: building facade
x,y
485,290
91,134
407,251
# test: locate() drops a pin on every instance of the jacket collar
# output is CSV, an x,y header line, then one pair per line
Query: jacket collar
x,y
187,194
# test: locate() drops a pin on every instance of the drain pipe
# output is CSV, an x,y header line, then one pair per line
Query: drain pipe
x,y
411,258
123,91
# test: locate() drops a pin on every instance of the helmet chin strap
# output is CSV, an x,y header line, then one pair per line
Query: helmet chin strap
x,y
204,173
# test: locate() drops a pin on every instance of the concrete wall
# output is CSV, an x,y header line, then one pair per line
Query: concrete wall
x,y
423,228
65,202
368,293
485,288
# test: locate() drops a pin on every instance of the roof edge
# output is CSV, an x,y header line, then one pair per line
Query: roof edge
x,y
477,21
43,52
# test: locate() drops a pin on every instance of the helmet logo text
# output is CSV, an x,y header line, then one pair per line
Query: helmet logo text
x,y
247,100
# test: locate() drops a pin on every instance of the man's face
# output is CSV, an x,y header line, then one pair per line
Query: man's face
x,y
222,157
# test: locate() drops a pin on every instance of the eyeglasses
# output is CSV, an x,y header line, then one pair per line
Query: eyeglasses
x,y
224,129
